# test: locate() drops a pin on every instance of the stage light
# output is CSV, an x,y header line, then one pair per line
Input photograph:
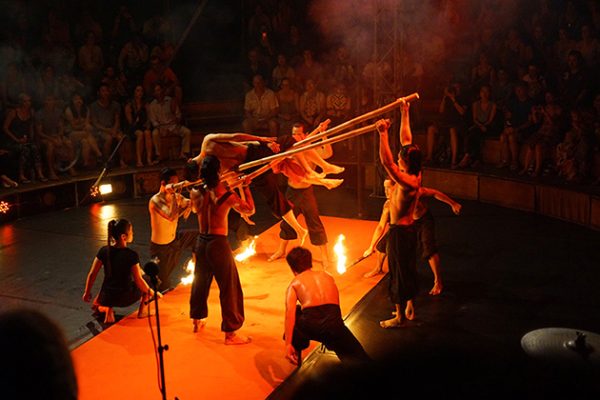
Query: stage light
x,y
4,207
106,189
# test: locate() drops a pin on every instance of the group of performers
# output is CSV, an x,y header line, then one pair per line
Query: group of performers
x,y
217,184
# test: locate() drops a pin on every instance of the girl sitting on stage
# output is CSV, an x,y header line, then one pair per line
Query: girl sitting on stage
x,y
123,283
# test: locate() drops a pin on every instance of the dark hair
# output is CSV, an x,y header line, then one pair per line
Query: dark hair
x,y
191,171
299,259
209,171
116,228
412,156
166,174
299,125
35,347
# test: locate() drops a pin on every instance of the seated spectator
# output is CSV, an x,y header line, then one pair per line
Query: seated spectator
x,y
90,60
312,105
451,119
123,282
79,130
35,347
503,89
50,131
117,84
342,68
48,84
160,73
573,154
542,143
282,71
105,118
13,84
261,108
562,47
137,126
517,126
483,73
165,119
589,46
19,137
309,69
536,83
288,106
257,65
133,58
6,166
339,105
483,112
575,82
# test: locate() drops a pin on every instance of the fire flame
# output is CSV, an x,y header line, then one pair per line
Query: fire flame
x,y
189,268
4,207
340,253
247,252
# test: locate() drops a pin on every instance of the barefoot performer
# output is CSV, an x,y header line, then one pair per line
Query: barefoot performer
x,y
214,259
402,235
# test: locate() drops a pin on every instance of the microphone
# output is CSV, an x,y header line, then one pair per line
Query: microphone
x,y
151,268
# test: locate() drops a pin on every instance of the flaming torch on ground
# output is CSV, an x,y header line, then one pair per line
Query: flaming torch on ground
x,y
189,268
247,251
340,253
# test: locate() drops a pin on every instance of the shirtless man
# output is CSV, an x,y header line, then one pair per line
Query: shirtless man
x,y
166,242
426,233
402,235
318,316
214,258
301,195
233,149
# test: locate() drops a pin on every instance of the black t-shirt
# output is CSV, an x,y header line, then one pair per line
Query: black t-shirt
x,y
519,111
117,273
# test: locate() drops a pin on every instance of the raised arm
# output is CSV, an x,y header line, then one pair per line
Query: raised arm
x,y
386,158
405,132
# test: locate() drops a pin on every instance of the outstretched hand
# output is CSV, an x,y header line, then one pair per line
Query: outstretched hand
x,y
456,207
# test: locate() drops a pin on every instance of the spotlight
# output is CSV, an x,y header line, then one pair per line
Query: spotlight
x,y
4,207
105,189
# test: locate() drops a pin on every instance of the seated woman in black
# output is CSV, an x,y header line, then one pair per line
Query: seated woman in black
x,y
123,283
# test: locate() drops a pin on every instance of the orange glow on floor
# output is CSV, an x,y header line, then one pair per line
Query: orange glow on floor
x,y
120,362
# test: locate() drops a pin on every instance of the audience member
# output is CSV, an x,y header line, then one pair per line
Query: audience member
x,y
50,131
19,129
312,106
288,106
165,118
483,112
137,126
79,129
260,107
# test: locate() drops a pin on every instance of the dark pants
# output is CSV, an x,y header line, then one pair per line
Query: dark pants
x,y
169,254
305,203
402,262
325,324
214,259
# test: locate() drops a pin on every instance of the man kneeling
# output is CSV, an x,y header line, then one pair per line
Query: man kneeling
x,y
318,316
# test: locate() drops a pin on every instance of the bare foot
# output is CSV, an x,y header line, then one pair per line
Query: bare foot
x,y
303,236
140,164
276,256
373,272
233,338
409,311
333,169
199,324
391,323
109,314
332,183
436,289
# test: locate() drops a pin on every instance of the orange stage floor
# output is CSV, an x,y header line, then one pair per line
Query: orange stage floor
x,y
120,362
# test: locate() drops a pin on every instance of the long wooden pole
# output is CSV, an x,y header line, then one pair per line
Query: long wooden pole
x,y
359,119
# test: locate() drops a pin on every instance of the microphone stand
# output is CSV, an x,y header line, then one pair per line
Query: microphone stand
x,y
161,348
